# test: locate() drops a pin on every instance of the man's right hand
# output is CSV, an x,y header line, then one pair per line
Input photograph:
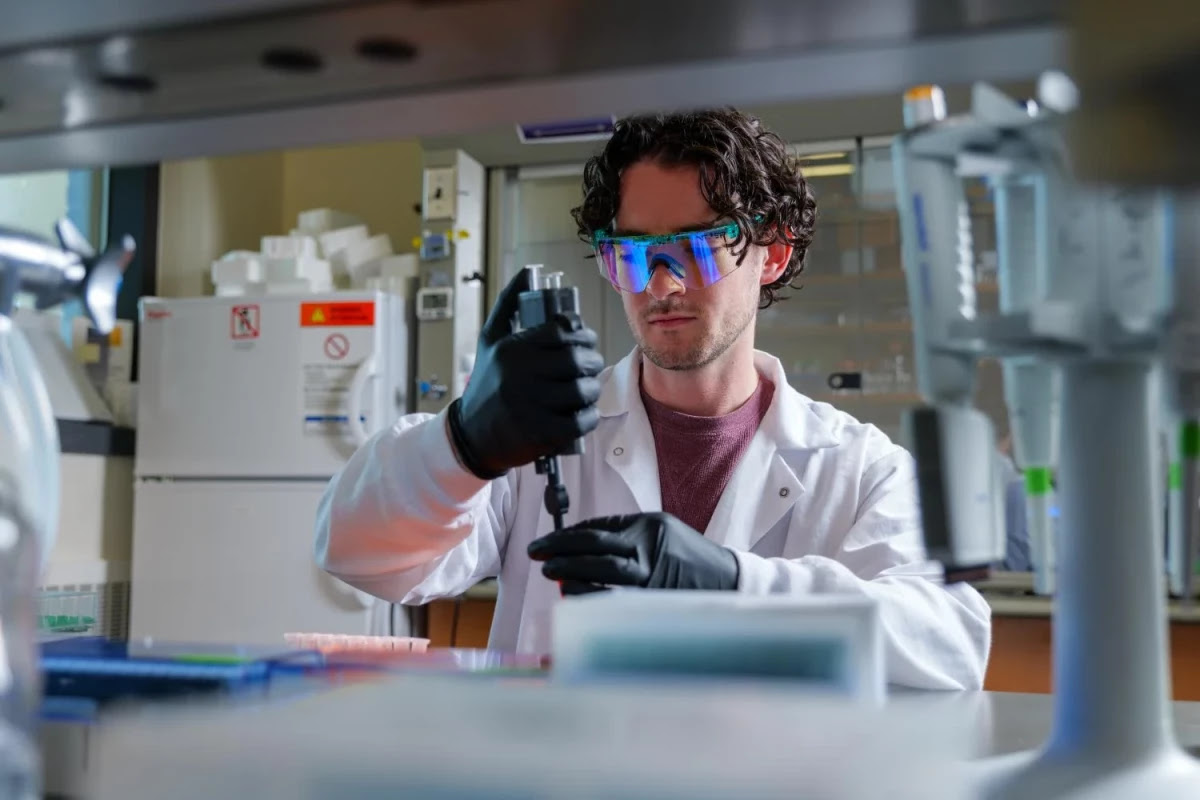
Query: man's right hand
x,y
530,394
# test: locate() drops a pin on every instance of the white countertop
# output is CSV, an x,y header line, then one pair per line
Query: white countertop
x,y
1009,727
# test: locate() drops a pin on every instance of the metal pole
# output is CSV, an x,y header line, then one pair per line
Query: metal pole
x,y
1110,666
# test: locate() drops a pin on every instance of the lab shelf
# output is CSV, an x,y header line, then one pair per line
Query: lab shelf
x,y
979,211
855,280
1009,605
809,329
869,398
1011,594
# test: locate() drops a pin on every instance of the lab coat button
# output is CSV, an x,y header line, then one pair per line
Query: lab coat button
x,y
783,492
618,451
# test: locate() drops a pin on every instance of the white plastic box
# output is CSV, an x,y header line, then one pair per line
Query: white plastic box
x,y
822,643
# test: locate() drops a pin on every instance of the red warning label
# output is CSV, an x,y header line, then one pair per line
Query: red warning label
x,y
336,314
244,322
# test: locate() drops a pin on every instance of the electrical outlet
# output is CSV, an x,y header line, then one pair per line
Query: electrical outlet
x,y
441,191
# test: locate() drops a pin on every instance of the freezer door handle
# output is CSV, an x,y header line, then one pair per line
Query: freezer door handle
x,y
357,406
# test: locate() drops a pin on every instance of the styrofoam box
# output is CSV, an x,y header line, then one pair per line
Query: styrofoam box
x,y
292,287
276,269
372,249
240,289
390,274
237,266
290,270
315,270
362,260
320,220
815,642
289,246
337,240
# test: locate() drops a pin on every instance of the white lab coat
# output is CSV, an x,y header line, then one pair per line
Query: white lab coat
x,y
819,503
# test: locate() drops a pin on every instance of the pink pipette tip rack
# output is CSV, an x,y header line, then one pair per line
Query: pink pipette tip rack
x,y
338,643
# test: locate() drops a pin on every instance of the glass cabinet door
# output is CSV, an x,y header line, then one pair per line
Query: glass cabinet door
x,y
537,228
845,334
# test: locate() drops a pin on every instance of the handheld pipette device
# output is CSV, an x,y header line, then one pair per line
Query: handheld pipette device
x,y
545,301
1031,385
1092,312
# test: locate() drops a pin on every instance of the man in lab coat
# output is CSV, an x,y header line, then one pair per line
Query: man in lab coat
x,y
703,468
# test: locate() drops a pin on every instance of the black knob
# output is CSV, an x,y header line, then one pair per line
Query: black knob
x,y
845,380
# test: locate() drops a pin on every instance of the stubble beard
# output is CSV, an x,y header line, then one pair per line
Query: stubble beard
x,y
704,351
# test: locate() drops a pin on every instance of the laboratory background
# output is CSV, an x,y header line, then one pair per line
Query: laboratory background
x,y
308,246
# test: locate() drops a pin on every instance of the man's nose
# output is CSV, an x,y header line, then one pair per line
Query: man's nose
x,y
663,283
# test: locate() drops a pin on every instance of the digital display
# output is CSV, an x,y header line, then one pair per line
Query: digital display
x,y
436,300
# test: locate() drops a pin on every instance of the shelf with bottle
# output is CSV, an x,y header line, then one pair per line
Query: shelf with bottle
x,y
862,397
847,326
886,379
854,280
845,214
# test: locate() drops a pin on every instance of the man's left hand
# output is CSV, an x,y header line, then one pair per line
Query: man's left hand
x,y
653,551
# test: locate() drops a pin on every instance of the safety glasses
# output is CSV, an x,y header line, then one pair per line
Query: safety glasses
x,y
695,258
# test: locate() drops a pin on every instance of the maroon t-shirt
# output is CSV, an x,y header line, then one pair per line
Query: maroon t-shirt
x,y
697,455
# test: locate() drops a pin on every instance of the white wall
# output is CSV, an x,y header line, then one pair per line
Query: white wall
x,y
210,206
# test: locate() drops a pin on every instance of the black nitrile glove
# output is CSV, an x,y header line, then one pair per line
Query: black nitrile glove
x,y
531,393
653,551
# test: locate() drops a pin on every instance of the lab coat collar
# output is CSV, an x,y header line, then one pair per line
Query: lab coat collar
x,y
755,498
790,421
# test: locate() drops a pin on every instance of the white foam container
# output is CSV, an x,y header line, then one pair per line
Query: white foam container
x,y
320,220
289,246
337,240
237,266
825,643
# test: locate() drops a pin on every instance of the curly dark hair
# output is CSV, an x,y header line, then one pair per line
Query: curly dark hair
x,y
746,176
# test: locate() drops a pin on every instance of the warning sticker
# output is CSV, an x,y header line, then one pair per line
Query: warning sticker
x,y
336,314
337,346
328,360
244,322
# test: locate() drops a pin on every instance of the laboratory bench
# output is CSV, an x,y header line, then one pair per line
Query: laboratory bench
x,y
1022,625
463,621
1005,724
1021,629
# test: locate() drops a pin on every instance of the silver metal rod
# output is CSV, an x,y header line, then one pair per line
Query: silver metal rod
x,y
1110,649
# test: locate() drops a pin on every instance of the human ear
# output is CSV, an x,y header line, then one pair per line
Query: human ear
x,y
778,254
